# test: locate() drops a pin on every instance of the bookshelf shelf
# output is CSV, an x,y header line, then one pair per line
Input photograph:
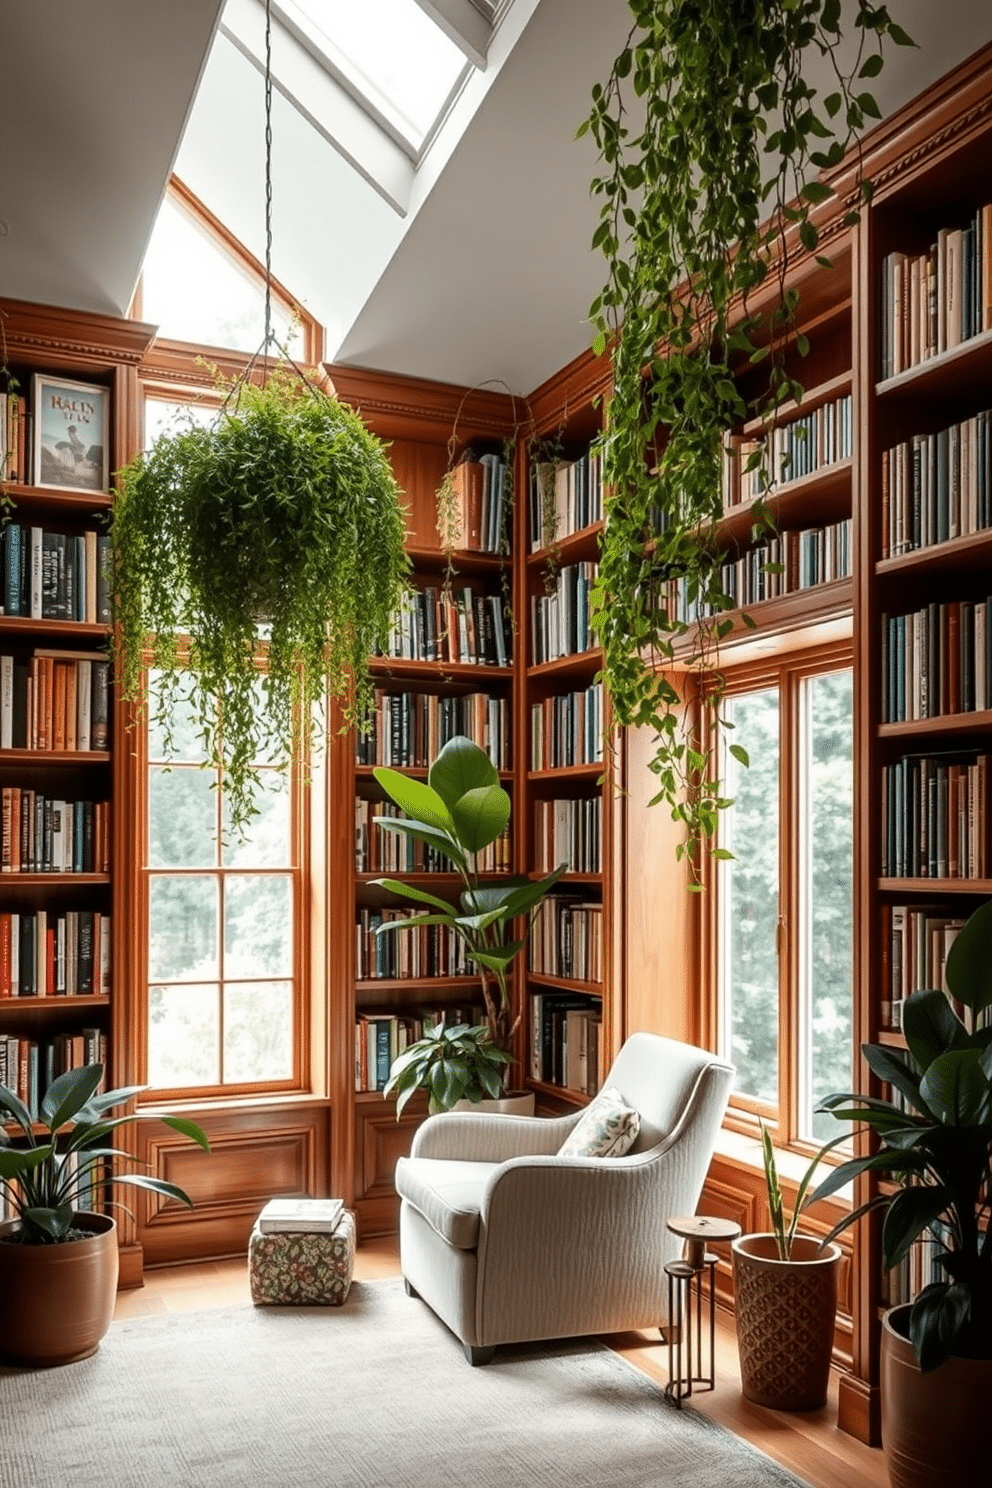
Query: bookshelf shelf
x,y
959,555
812,500
42,1006
55,757
464,560
935,887
953,724
64,630
567,984
562,670
438,672
572,774
952,376
56,502
572,547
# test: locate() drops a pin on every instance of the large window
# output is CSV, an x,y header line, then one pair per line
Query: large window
x,y
223,910
783,900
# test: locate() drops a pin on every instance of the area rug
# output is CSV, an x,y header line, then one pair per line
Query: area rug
x,y
374,1394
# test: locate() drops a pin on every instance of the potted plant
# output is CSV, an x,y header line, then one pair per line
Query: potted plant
x,y
785,1300
58,1260
282,513
459,812
933,1136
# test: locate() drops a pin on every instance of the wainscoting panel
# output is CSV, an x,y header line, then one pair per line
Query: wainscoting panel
x,y
257,1153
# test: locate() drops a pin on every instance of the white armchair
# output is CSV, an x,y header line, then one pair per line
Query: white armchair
x,y
507,1241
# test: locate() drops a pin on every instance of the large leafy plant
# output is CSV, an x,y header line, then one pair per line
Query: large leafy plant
x,y
711,140
460,812
47,1178
282,514
934,1136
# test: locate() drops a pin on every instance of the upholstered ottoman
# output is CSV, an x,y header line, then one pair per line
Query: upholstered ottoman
x,y
299,1269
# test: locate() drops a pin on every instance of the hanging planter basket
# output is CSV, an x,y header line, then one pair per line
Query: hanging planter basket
x,y
257,564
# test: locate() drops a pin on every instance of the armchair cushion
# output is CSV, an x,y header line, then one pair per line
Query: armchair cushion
x,y
448,1194
608,1127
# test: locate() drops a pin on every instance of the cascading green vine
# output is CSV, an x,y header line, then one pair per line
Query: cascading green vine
x,y
711,141
285,514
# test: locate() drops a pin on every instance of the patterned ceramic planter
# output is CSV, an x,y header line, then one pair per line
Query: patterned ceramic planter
x,y
785,1320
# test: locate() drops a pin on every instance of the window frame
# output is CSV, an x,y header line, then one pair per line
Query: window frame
x,y
785,671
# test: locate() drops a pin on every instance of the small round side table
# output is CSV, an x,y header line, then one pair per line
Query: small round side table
x,y
686,1285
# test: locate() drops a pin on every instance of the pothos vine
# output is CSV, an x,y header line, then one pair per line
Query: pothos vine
x,y
712,144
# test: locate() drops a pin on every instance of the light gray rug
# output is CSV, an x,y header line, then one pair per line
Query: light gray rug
x,y
375,1394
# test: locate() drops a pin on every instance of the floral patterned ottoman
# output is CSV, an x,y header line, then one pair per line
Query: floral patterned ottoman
x,y
302,1270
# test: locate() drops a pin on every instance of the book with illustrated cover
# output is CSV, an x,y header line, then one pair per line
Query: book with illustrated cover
x,y
300,1216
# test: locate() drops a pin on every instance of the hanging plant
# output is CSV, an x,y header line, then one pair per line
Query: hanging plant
x,y
284,514
703,198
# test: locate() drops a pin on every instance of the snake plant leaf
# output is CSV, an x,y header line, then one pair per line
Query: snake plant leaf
x,y
419,801
421,832
421,896
480,816
461,766
969,965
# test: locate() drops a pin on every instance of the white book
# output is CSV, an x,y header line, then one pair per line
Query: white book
x,y
300,1216
6,702
36,571
84,701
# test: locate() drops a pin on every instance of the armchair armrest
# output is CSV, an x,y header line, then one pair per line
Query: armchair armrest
x,y
483,1136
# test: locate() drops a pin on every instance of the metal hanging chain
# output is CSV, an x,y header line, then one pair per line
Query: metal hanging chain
x,y
268,176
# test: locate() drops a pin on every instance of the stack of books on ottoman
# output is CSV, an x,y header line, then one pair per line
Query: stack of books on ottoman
x,y
302,1253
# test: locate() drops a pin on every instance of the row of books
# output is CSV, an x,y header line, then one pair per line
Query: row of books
x,y
457,626
935,820
788,562
44,835
915,942
569,831
567,729
937,660
480,504
29,1066
566,1040
566,940
382,1037
936,487
55,575
47,953
932,301
408,729
788,452
55,700
381,851
560,624
565,496
426,951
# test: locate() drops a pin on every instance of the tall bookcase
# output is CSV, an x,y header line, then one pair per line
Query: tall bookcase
x,y
924,549
434,679
60,774
570,760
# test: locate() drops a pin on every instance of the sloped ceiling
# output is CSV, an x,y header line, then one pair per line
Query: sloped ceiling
x,y
488,277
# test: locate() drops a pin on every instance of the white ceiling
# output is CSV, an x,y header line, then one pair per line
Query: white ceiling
x,y
488,275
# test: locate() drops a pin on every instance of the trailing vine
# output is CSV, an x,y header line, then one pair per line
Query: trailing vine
x,y
702,199
283,514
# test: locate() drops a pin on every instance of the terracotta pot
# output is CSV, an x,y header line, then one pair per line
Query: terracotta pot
x,y
934,1425
785,1320
58,1300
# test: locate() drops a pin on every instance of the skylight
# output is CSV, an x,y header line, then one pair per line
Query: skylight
x,y
390,53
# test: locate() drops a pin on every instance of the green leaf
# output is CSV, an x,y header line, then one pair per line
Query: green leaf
x,y
956,1089
69,1093
931,1026
871,66
420,832
816,191
740,754
969,961
460,766
910,1212
420,896
935,1322
419,801
480,816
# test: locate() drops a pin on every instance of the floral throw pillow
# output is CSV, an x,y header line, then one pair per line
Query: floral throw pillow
x,y
606,1128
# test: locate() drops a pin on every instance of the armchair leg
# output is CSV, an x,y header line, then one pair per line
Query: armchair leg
x,y
410,1291
478,1355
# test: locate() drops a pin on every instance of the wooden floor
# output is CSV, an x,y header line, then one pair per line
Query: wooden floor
x,y
809,1444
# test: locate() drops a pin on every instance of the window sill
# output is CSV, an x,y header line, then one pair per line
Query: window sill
x,y
745,1152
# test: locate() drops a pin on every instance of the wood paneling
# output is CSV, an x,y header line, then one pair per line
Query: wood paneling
x,y
256,1153
380,1140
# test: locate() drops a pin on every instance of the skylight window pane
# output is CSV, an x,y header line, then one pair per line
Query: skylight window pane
x,y
391,51
195,291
